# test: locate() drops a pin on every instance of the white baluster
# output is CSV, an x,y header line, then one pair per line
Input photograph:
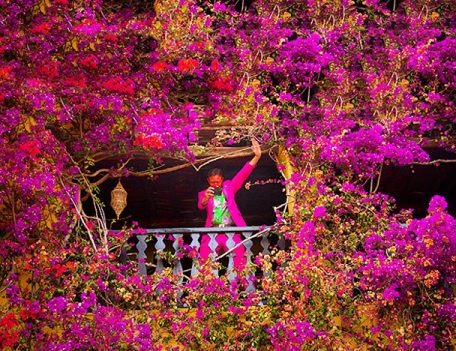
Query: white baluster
x,y
248,251
159,246
142,246
281,243
213,246
265,244
195,244
177,269
230,244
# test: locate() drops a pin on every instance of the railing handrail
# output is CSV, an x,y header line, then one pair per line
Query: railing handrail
x,y
203,230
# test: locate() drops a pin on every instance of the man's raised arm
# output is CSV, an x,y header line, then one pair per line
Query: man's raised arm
x,y
239,179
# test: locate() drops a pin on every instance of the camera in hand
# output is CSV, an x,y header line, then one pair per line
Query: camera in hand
x,y
218,191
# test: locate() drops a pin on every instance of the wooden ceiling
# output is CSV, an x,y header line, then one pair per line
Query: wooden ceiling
x,y
170,200
414,186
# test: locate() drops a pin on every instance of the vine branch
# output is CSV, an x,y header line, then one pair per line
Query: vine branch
x,y
433,162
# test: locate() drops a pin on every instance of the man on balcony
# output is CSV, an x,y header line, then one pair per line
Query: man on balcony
x,y
222,211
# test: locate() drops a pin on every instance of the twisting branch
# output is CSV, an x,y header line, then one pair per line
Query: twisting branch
x,y
233,154
100,216
98,172
197,168
13,208
81,217
434,162
256,235
102,179
378,179
201,163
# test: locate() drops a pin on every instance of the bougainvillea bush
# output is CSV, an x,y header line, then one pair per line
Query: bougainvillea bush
x,y
345,87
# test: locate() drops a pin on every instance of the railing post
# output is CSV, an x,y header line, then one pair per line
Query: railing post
x,y
248,252
213,246
230,244
281,243
195,243
142,246
159,246
265,244
177,269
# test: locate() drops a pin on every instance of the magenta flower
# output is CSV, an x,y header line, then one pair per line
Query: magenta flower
x,y
57,304
437,203
319,212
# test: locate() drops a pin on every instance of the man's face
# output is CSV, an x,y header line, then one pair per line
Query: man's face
x,y
215,181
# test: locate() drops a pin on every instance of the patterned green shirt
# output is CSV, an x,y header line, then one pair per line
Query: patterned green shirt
x,y
222,216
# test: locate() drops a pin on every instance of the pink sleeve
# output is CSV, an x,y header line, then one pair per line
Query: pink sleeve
x,y
241,176
200,200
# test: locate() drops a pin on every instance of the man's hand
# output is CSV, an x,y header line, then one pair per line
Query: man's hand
x,y
256,148
207,195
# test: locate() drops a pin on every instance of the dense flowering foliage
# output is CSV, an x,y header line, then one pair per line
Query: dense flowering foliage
x,y
345,86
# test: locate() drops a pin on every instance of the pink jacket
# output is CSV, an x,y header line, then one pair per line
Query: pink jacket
x,y
229,188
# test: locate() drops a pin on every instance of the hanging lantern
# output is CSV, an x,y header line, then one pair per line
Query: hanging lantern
x,y
118,199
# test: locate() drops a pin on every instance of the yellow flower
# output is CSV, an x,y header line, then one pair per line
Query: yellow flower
x,y
255,83
286,16
434,16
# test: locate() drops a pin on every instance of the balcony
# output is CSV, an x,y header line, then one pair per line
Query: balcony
x,y
153,245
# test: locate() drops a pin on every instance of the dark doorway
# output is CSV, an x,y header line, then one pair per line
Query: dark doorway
x,y
414,186
170,200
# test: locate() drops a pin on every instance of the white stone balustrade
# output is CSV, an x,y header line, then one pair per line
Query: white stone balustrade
x,y
156,239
